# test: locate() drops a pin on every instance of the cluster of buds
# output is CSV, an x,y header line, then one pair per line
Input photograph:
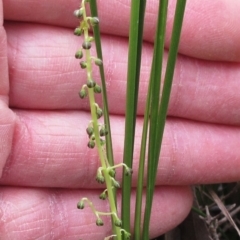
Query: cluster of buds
x,y
90,131
96,132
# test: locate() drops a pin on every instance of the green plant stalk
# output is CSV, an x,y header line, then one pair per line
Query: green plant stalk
x,y
162,113
139,191
109,149
95,124
155,81
134,62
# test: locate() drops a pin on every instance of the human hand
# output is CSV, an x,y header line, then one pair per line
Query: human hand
x,y
46,166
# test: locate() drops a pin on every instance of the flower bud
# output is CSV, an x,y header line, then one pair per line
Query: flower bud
x,y
118,222
115,183
103,195
86,45
91,144
78,31
83,64
82,93
97,89
99,222
111,172
78,13
100,178
91,83
102,142
90,39
99,112
98,61
103,132
94,21
128,171
127,235
79,54
90,131
80,205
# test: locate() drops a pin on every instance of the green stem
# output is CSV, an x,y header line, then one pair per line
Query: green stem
x,y
134,63
95,124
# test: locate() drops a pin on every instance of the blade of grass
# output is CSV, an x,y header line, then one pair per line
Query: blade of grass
x,y
153,100
134,62
156,73
140,178
155,141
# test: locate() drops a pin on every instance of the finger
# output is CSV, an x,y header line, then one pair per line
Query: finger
x,y
50,150
210,29
7,122
45,75
4,82
6,116
52,214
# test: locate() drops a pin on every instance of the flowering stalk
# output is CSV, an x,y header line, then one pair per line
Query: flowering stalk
x,y
95,130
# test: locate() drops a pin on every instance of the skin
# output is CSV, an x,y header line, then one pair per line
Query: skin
x,y
45,166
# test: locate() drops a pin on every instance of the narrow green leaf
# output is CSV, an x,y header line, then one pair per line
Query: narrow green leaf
x,y
134,62
155,80
158,116
140,178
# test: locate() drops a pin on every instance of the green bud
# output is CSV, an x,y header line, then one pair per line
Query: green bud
x,y
78,13
92,137
78,31
98,61
99,112
94,21
82,93
79,54
91,144
97,89
115,183
103,132
128,171
103,195
80,205
112,172
100,178
83,64
99,222
91,39
86,45
102,142
91,83
118,222
127,235
90,131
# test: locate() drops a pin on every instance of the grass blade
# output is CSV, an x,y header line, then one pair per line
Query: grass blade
x,y
155,80
134,62
157,123
152,97
139,191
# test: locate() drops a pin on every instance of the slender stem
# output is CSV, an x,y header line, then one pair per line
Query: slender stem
x,y
134,63
162,112
95,124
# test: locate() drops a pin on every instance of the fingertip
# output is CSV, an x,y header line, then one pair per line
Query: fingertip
x,y
210,30
171,206
7,122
